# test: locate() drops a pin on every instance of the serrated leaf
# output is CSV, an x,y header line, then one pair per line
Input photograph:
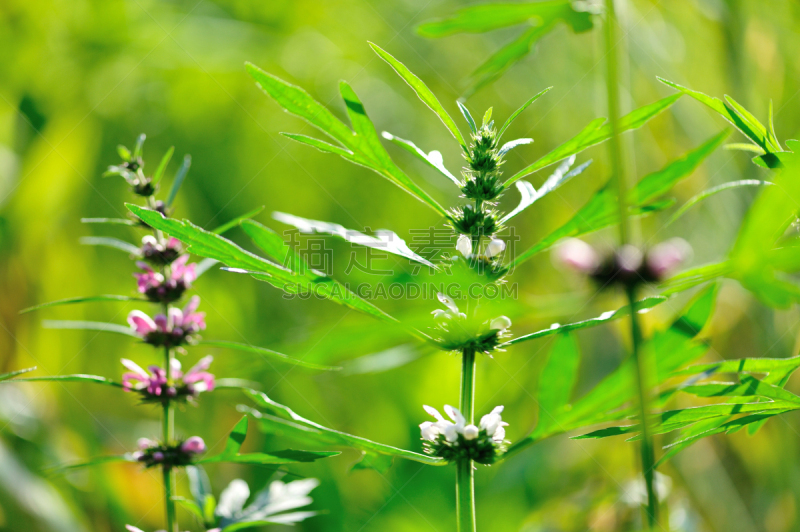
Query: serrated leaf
x,y
510,145
596,132
433,159
179,177
75,300
273,245
384,240
611,315
267,354
111,242
362,146
423,92
207,244
747,387
282,417
162,166
89,326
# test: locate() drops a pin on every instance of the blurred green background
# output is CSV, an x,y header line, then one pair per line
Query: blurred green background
x,y
79,77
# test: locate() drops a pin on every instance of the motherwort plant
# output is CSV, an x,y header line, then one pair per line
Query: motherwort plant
x,y
467,326
164,280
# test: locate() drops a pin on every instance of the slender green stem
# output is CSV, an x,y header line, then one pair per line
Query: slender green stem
x,y
168,435
618,170
465,471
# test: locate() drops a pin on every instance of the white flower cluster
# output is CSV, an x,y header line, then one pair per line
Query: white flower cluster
x,y
454,439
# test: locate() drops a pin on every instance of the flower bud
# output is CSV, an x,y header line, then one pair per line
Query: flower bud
x,y
471,432
145,443
194,445
158,456
500,323
664,257
464,245
495,247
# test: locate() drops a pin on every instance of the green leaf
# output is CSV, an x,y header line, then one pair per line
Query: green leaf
x,y
611,315
423,92
207,244
74,300
237,436
744,365
695,277
530,195
487,116
558,377
749,386
746,124
482,18
771,131
72,378
102,460
89,326
224,228
596,132
113,221
519,111
203,266
124,153
282,417
384,240
267,354
199,486
115,243
273,245
467,116
432,159
137,151
11,375
714,190
190,506
179,177
362,145
602,211
744,147
162,166
388,359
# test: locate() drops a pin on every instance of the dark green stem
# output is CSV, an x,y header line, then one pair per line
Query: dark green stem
x,y
618,170
168,436
465,470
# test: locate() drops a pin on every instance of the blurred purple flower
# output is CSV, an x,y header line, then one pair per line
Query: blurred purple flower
x,y
157,289
194,445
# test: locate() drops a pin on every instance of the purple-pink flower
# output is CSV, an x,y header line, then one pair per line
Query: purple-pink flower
x,y
156,384
157,289
158,253
194,445
179,328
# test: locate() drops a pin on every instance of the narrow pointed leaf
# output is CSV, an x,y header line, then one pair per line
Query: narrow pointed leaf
x,y
72,378
89,326
11,375
510,145
433,159
112,221
467,116
596,132
519,111
179,177
267,354
715,190
423,92
111,242
237,221
75,300
162,166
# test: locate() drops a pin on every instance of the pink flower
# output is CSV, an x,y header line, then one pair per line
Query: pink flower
x,y
198,379
664,257
578,255
194,445
180,328
160,254
154,382
159,290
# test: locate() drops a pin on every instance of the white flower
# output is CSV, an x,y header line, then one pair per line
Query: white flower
x,y
471,432
431,431
494,425
500,323
452,309
495,247
464,245
635,492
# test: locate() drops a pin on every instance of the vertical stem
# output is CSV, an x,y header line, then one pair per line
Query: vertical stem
x,y
465,474
618,170
168,435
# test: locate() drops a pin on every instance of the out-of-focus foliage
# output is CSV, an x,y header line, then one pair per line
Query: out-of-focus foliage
x,y
78,78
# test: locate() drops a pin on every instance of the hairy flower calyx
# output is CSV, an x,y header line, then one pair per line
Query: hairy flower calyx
x,y
455,440
455,331
169,455
466,220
